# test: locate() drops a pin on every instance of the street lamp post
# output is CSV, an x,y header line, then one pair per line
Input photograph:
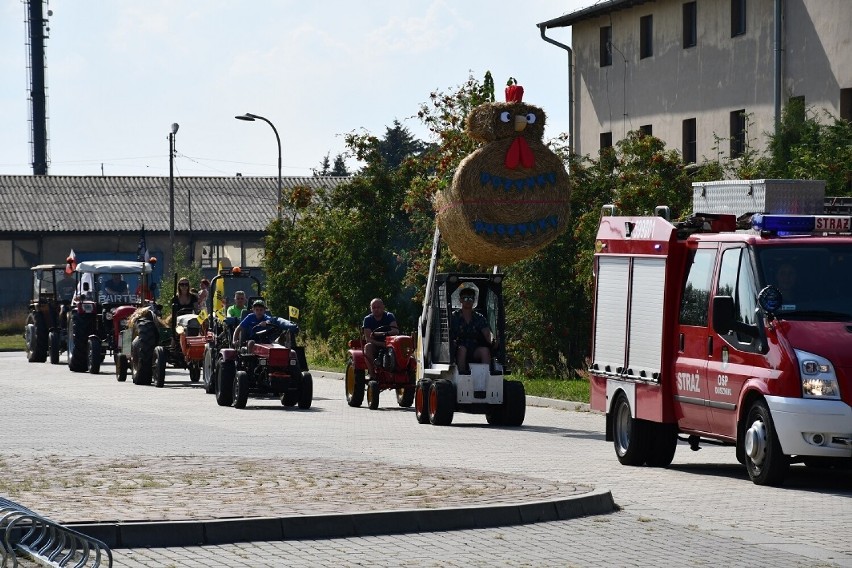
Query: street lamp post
x,y
175,127
251,118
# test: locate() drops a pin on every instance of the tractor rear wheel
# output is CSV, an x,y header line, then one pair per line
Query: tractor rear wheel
x,y
78,338
225,383
159,367
306,391
142,351
442,402
353,381
241,389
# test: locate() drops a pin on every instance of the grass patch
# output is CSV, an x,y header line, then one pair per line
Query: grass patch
x,y
575,390
13,342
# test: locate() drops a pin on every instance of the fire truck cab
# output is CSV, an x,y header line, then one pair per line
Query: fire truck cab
x,y
728,329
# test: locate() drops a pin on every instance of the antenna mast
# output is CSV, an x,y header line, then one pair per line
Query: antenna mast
x,y
38,30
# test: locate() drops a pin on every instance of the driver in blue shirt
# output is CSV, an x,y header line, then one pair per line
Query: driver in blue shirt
x,y
257,320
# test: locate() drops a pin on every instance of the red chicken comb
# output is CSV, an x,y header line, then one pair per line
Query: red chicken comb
x,y
514,92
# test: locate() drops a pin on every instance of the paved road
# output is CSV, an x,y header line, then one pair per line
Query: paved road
x,y
78,447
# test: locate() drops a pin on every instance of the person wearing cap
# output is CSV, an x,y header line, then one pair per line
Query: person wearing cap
x,y
471,333
258,318
378,317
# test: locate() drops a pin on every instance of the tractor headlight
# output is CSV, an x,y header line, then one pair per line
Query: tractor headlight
x,y
818,377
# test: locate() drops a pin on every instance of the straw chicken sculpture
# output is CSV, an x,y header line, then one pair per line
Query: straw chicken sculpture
x,y
509,198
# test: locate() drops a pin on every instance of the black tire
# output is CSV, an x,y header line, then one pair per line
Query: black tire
x,y
514,403
121,366
142,352
630,435
405,397
36,336
765,462
421,402
353,382
158,369
241,389
208,370
662,444
95,355
225,383
290,398
306,392
194,372
373,395
78,338
442,403
54,346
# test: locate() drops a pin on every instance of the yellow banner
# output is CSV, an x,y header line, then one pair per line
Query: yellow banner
x,y
294,312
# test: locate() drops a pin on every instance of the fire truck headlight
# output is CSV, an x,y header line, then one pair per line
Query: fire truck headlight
x,y
818,377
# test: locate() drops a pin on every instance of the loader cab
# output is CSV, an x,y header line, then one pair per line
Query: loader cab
x,y
445,300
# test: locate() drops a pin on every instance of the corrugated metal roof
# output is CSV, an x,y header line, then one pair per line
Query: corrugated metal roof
x,y
599,9
122,203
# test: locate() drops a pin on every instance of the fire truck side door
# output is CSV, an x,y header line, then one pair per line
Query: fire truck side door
x,y
690,384
736,355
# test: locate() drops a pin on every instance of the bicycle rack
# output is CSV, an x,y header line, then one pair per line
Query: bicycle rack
x,y
45,542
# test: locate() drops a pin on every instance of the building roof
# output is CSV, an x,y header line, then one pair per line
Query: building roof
x,y
600,8
82,204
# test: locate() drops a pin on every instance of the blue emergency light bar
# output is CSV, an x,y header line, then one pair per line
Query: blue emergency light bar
x,y
802,224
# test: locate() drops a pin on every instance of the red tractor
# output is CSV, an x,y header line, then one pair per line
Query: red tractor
x,y
395,368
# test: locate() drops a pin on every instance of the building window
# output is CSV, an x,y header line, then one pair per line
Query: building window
x,y
846,104
606,140
738,133
646,130
646,34
690,25
738,17
689,144
606,46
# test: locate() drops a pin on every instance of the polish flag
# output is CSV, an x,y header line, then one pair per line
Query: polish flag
x,y
71,262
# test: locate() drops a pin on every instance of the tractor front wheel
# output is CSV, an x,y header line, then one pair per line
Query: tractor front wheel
x,y
373,395
241,389
354,384
306,391
159,369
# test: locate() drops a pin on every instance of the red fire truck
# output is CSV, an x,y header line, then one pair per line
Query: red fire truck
x,y
726,328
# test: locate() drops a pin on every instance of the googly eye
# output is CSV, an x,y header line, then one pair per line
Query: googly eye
x,y
531,118
505,116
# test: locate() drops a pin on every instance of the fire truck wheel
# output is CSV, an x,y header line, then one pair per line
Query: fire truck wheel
x,y
241,389
405,397
662,445
94,362
209,371
225,383
373,395
53,346
765,462
630,435
36,336
354,383
306,391
421,402
159,369
514,403
121,365
194,372
77,343
442,402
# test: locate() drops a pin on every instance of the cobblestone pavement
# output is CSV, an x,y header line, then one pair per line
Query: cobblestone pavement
x,y
77,446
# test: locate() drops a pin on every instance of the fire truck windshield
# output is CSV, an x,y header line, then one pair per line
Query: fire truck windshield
x,y
813,279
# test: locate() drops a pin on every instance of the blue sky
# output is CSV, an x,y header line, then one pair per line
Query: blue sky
x,y
120,72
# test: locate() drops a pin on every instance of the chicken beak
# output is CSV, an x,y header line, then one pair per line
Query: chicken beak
x,y
520,122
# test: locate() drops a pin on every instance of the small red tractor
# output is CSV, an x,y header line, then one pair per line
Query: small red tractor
x,y
45,333
269,365
395,368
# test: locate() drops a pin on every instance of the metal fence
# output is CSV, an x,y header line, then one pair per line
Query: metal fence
x,y
26,534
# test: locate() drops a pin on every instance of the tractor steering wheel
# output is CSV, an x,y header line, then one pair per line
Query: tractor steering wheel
x,y
265,331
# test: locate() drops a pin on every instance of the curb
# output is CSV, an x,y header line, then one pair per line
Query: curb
x,y
144,534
